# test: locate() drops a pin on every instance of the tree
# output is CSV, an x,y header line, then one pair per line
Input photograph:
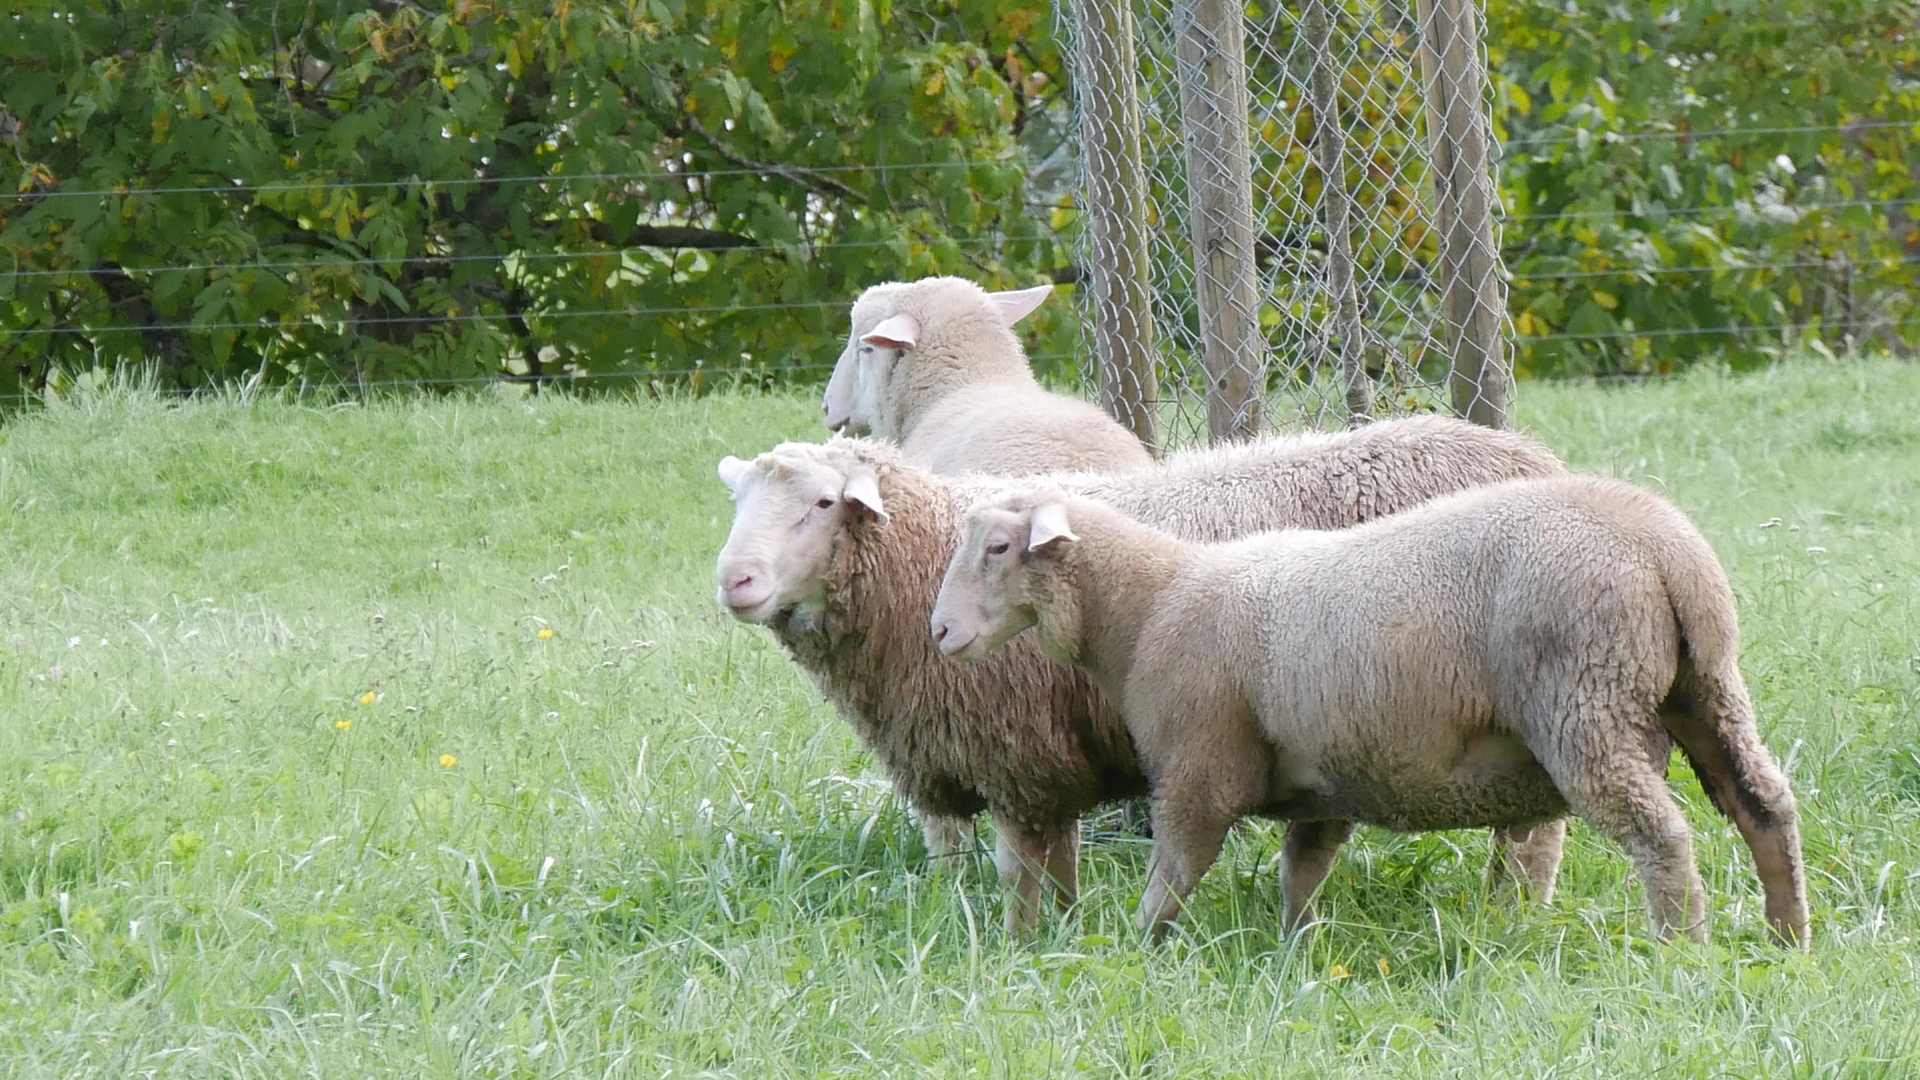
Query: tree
x,y
1727,176
361,192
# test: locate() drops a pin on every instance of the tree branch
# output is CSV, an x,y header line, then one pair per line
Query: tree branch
x,y
672,236
823,184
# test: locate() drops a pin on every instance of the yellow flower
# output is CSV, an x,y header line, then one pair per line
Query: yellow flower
x,y
448,761
544,633
1385,968
367,698
342,724
1338,971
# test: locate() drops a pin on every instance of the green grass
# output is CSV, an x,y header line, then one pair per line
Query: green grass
x,y
652,849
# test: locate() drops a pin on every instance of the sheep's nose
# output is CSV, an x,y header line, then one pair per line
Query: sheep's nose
x,y
738,582
939,633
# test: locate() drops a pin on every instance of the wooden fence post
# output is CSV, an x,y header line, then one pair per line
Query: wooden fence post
x,y
1211,38
1469,263
1116,207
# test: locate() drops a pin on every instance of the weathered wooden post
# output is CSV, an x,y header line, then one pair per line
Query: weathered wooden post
x,y
1105,70
1457,140
1330,142
1211,47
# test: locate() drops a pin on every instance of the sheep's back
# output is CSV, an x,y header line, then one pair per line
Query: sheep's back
x,y
1020,431
1331,481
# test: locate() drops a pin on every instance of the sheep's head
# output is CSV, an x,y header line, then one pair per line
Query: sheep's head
x,y
791,506
889,322
996,585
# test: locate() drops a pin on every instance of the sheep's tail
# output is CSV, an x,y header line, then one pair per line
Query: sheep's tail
x,y
1710,715
1701,597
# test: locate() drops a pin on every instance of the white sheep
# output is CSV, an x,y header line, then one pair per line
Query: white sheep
x,y
838,548
1495,657
934,366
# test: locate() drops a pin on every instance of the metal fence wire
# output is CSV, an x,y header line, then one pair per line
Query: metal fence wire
x,y
1288,213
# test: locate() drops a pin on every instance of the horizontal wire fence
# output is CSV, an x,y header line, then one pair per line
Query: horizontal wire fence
x,y
1396,322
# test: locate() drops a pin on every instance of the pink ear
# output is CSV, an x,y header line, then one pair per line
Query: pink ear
x,y
1048,525
1018,304
897,332
864,489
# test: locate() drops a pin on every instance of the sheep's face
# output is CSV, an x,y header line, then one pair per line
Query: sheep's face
x,y
789,513
883,334
986,597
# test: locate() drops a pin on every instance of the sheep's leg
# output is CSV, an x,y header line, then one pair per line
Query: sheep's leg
x,y
1626,797
1063,864
1305,859
1020,857
946,836
1526,862
1715,728
1187,836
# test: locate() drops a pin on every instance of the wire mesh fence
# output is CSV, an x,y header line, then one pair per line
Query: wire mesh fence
x,y
1311,203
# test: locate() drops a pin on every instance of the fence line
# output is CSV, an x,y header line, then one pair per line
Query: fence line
x,y
624,312
531,256
555,256
772,170
568,378
782,169
962,243
1604,136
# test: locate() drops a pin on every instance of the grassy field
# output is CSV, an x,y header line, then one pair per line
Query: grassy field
x,y
406,739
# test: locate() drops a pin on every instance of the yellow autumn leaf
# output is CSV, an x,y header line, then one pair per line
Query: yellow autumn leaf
x,y
1522,101
1605,299
936,84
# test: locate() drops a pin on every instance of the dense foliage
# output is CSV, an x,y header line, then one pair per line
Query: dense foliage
x,y
360,192
443,193
1690,177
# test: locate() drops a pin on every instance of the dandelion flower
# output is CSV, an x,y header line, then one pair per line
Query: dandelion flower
x,y
342,725
367,698
544,633
1385,968
1338,971
448,761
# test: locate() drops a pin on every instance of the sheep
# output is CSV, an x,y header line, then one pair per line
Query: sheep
x,y
934,366
1494,657
838,548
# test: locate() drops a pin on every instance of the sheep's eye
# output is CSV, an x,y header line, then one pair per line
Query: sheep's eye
x,y
825,504
997,549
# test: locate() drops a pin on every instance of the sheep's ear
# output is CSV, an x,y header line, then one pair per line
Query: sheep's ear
x,y
1019,303
894,332
1048,525
732,471
863,489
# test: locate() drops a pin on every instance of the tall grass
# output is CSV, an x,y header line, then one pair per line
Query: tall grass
x,y
404,739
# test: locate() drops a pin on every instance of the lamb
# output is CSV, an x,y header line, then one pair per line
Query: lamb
x,y
934,366
1495,657
839,547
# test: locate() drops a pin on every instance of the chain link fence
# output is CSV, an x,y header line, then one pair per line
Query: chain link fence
x,y
1287,213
